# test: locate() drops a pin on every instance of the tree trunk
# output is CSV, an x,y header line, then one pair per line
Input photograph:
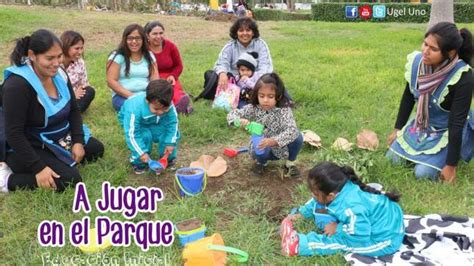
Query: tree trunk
x,y
290,4
81,4
441,11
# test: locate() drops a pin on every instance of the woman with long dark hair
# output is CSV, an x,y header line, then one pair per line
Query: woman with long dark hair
x,y
131,67
45,137
440,82
73,63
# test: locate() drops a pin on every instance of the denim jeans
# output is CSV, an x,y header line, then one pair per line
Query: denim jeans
x,y
421,171
293,149
117,102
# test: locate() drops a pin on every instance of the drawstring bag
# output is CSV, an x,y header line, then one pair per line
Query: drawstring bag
x,y
227,99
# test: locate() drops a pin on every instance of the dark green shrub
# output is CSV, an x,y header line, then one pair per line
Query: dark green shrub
x,y
272,14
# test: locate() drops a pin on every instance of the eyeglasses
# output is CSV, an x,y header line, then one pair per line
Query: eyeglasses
x,y
131,39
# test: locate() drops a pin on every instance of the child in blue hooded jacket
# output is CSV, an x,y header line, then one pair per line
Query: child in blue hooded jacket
x,y
150,118
368,221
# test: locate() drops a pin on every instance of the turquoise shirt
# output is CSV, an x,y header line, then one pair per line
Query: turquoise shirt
x,y
135,115
137,79
362,215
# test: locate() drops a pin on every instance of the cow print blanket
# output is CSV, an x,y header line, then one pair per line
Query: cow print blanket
x,y
430,240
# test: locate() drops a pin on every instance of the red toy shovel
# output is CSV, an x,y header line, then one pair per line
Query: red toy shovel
x,y
232,153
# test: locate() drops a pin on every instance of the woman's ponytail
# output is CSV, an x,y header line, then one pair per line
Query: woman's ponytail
x,y
352,176
466,49
39,42
20,52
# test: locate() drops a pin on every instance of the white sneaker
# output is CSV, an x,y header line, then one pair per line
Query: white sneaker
x,y
5,173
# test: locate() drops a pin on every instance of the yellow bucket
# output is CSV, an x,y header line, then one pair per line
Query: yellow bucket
x,y
93,246
210,251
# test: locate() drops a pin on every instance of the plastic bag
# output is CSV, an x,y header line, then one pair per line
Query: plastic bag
x,y
227,99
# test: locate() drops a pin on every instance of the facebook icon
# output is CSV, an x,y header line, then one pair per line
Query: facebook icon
x,y
351,12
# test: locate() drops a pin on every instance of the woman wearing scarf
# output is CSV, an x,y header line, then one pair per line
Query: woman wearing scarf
x,y
440,80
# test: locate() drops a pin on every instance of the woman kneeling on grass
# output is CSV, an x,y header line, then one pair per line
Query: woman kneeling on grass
x,y
441,82
369,222
45,137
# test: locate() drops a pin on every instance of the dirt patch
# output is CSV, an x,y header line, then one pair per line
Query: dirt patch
x,y
189,225
267,196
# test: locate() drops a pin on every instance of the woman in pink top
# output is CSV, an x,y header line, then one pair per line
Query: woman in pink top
x,y
169,63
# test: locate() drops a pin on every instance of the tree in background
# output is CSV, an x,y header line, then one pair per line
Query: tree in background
x,y
441,10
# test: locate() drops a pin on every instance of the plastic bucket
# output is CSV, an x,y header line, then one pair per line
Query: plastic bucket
x,y
210,251
188,236
255,142
191,181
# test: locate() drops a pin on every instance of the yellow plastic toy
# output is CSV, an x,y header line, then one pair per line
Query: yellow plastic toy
x,y
93,247
214,4
210,251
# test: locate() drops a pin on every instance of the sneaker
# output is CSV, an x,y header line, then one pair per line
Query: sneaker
x,y
139,169
258,169
289,238
292,171
5,173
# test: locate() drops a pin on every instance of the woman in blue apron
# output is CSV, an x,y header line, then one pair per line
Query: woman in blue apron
x,y
44,134
440,81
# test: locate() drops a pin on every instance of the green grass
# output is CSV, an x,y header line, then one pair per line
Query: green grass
x,y
343,76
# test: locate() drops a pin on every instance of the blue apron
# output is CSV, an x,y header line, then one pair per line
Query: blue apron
x,y
429,147
55,131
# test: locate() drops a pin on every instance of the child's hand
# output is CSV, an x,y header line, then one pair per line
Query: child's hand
x,y
294,217
267,142
145,158
244,78
330,229
244,122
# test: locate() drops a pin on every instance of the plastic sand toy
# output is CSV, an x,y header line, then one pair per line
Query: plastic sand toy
x,y
160,165
93,246
232,153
